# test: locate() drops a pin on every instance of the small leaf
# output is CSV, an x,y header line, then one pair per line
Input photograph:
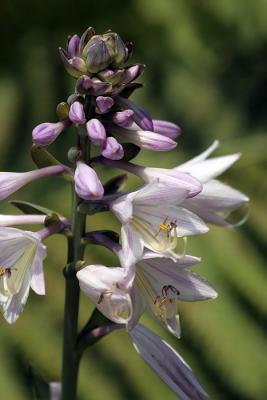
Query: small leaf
x,y
40,388
30,208
42,158
130,151
115,184
130,88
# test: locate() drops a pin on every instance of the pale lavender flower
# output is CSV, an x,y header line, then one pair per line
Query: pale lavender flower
x,y
10,182
109,288
145,139
96,132
21,267
160,283
112,149
47,132
167,364
217,200
144,211
55,389
76,113
104,104
87,183
167,128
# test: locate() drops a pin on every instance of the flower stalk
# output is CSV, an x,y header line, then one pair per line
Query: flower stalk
x,y
71,357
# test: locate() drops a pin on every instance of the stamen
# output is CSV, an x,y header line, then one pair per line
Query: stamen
x,y
166,305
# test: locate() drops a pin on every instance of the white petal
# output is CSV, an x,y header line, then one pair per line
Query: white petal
x,y
202,156
14,304
139,306
167,364
132,246
165,272
123,208
209,169
160,192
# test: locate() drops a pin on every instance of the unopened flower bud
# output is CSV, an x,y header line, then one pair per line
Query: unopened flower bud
x,y
76,114
112,150
96,132
62,111
104,104
140,116
167,128
113,76
133,73
73,46
97,54
87,183
83,84
75,66
47,132
123,118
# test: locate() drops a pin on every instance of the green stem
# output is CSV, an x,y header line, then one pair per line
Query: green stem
x,y
71,357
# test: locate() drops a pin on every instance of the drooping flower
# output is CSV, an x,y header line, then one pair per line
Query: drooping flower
x,y
155,283
87,183
10,182
109,288
21,268
160,283
151,218
167,364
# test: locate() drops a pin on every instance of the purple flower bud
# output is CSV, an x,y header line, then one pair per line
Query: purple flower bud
x,y
73,46
45,133
83,84
87,184
167,128
112,149
99,87
123,118
86,36
104,104
141,117
75,66
133,72
76,114
96,131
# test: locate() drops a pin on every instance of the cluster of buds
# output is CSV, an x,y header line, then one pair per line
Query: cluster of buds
x,y
171,205
97,61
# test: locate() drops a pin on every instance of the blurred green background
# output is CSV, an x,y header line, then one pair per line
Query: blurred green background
x,y
206,70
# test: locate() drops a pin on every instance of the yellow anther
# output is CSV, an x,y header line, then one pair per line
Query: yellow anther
x,y
165,227
164,302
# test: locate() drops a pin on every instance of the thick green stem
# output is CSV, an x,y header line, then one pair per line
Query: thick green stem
x,y
71,357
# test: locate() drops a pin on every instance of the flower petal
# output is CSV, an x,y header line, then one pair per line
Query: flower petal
x,y
167,364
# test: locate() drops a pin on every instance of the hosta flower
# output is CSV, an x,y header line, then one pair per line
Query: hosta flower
x,y
21,268
10,182
47,132
160,283
167,364
109,288
151,218
155,283
216,200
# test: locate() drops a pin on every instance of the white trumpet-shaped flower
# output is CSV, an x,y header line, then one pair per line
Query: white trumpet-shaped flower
x,y
109,288
216,201
21,267
160,283
151,218
167,364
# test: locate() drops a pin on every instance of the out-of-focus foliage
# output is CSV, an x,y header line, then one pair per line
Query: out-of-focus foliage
x,y
206,70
